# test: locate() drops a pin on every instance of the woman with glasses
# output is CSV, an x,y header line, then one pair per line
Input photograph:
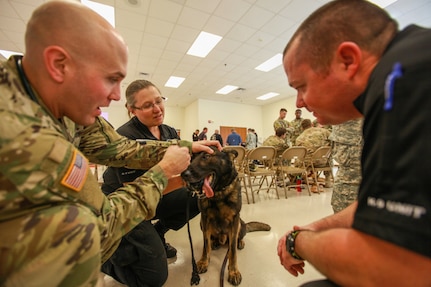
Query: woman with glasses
x,y
140,260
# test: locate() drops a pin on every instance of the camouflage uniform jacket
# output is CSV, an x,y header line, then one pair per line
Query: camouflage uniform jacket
x,y
313,138
45,163
347,145
279,123
297,128
277,142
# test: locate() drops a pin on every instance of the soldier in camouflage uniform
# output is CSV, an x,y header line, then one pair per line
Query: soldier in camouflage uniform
x,y
346,151
278,141
282,123
312,138
296,125
57,226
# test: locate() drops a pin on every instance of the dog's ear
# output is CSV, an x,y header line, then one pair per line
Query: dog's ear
x,y
231,153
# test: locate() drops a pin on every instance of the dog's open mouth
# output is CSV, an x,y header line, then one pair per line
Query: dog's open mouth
x,y
204,187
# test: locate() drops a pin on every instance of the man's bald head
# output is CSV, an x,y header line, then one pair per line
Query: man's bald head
x,y
71,26
74,60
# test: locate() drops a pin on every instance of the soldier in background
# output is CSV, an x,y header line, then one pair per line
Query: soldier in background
x,y
278,141
296,125
312,138
282,123
346,151
57,226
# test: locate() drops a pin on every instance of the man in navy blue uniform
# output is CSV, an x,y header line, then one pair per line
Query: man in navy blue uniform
x,y
347,60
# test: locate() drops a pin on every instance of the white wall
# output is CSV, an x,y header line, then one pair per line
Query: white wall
x,y
117,115
228,114
197,114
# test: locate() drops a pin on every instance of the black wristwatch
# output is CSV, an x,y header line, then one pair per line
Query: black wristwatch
x,y
290,244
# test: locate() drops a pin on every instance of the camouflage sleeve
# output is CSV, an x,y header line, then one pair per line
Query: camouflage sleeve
x,y
103,145
276,125
41,169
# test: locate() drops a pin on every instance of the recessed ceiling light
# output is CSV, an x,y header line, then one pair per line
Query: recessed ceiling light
x,y
106,11
383,3
270,64
203,44
267,96
7,54
174,82
226,89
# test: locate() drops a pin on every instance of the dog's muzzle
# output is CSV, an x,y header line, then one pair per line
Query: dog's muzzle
x,y
200,188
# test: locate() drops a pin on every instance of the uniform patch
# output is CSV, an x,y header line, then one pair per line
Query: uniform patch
x,y
76,173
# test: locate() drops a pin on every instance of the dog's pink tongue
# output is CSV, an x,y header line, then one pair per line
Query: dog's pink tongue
x,y
207,188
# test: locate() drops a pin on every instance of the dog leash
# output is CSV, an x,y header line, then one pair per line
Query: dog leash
x,y
195,275
223,268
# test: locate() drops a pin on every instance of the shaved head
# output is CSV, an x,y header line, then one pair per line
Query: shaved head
x,y
74,59
70,25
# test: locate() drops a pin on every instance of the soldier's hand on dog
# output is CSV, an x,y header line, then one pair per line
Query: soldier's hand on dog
x,y
205,146
175,160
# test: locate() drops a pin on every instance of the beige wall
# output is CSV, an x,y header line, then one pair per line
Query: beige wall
x,y
197,114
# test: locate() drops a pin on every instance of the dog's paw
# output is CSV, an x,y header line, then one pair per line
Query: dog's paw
x,y
202,266
234,278
241,244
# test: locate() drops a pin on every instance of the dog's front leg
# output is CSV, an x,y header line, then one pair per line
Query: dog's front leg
x,y
234,276
202,264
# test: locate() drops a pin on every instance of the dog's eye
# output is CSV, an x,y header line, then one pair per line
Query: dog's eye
x,y
207,156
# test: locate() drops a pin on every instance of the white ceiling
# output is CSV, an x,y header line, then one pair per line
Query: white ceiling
x,y
159,33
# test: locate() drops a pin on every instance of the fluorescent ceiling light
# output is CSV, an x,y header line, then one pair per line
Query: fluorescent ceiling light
x,y
270,64
106,11
226,89
174,82
383,3
267,96
203,44
7,54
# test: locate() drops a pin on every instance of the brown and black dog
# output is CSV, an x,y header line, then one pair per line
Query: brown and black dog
x,y
214,179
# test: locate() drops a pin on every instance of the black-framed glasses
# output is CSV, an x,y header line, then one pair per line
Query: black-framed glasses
x,y
149,106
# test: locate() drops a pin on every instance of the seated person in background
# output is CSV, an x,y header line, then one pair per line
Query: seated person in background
x,y
233,138
141,253
312,138
278,141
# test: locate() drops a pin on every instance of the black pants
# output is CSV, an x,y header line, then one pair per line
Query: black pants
x,y
171,210
319,283
140,260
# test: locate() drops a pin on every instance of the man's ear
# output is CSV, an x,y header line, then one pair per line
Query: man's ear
x,y
348,57
55,59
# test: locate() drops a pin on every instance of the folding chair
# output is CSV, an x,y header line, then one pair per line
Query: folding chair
x,y
293,164
320,162
266,156
239,164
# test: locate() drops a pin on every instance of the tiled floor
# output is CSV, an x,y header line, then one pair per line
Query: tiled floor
x,y
258,261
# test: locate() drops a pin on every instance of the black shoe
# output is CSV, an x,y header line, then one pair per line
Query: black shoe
x,y
170,251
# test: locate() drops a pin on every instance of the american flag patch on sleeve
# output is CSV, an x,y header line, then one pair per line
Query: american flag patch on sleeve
x,y
76,173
